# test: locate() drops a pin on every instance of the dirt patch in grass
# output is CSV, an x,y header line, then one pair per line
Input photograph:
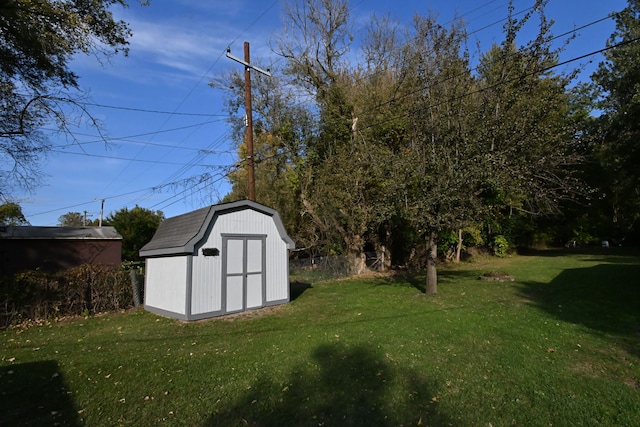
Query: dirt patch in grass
x,y
252,314
497,276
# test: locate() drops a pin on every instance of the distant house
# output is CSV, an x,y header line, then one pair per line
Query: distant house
x,y
57,248
217,260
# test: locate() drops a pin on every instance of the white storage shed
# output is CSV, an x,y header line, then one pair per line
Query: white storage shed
x,y
217,260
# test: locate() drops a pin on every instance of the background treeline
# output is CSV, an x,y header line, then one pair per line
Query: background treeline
x,y
412,144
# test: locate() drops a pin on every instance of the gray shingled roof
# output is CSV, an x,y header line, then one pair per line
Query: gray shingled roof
x,y
180,234
75,233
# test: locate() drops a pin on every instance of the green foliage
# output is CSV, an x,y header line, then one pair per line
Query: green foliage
x,y
87,289
136,226
618,151
472,236
500,246
11,214
447,242
398,150
38,40
76,219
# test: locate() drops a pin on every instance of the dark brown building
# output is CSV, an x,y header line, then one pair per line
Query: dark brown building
x,y
57,248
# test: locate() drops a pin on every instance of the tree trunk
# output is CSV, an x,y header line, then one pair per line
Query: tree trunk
x,y
357,262
432,255
459,247
356,258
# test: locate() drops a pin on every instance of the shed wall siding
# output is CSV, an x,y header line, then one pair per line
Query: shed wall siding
x,y
277,270
165,283
206,291
249,221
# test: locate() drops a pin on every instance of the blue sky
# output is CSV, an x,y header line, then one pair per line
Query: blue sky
x,y
165,124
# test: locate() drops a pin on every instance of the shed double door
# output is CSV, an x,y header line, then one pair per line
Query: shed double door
x,y
243,274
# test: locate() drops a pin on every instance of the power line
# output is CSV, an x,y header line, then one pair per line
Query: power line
x,y
143,110
254,22
115,196
127,138
420,89
504,82
191,163
153,144
160,130
220,178
205,74
157,162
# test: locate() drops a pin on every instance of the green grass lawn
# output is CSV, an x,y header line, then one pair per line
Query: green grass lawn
x,y
558,346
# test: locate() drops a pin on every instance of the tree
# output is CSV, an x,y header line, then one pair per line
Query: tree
x,y
618,79
11,214
37,42
75,219
136,226
487,146
441,161
71,219
342,179
282,129
532,134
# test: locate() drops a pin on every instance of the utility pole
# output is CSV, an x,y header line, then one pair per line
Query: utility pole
x,y
249,122
101,213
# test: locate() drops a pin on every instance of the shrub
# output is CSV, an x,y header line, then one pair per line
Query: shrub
x,y
500,246
37,296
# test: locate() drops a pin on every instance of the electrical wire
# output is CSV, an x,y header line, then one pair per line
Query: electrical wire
x,y
115,196
128,137
155,162
504,82
570,32
190,92
143,110
186,167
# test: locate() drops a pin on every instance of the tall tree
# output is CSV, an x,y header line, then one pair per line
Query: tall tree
x,y
618,78
342,183
136,226
489,145
282,130
37,42
440,160
531,141
527,134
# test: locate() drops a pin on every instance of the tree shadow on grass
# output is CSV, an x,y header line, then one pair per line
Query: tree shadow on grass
x,y
605,298
35,394
340,386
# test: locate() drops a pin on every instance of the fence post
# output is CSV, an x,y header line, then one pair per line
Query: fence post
x,y
135,287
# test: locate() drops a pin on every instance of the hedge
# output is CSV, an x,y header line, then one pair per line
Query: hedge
x,y
83,290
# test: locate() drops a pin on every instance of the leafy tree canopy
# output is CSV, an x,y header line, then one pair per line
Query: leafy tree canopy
x,y
75,219
11,214
136,226
37,42
618,78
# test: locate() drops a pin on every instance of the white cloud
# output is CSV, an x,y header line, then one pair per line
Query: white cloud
x,y
174,46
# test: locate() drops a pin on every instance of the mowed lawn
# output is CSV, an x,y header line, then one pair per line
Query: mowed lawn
x,y
558,346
